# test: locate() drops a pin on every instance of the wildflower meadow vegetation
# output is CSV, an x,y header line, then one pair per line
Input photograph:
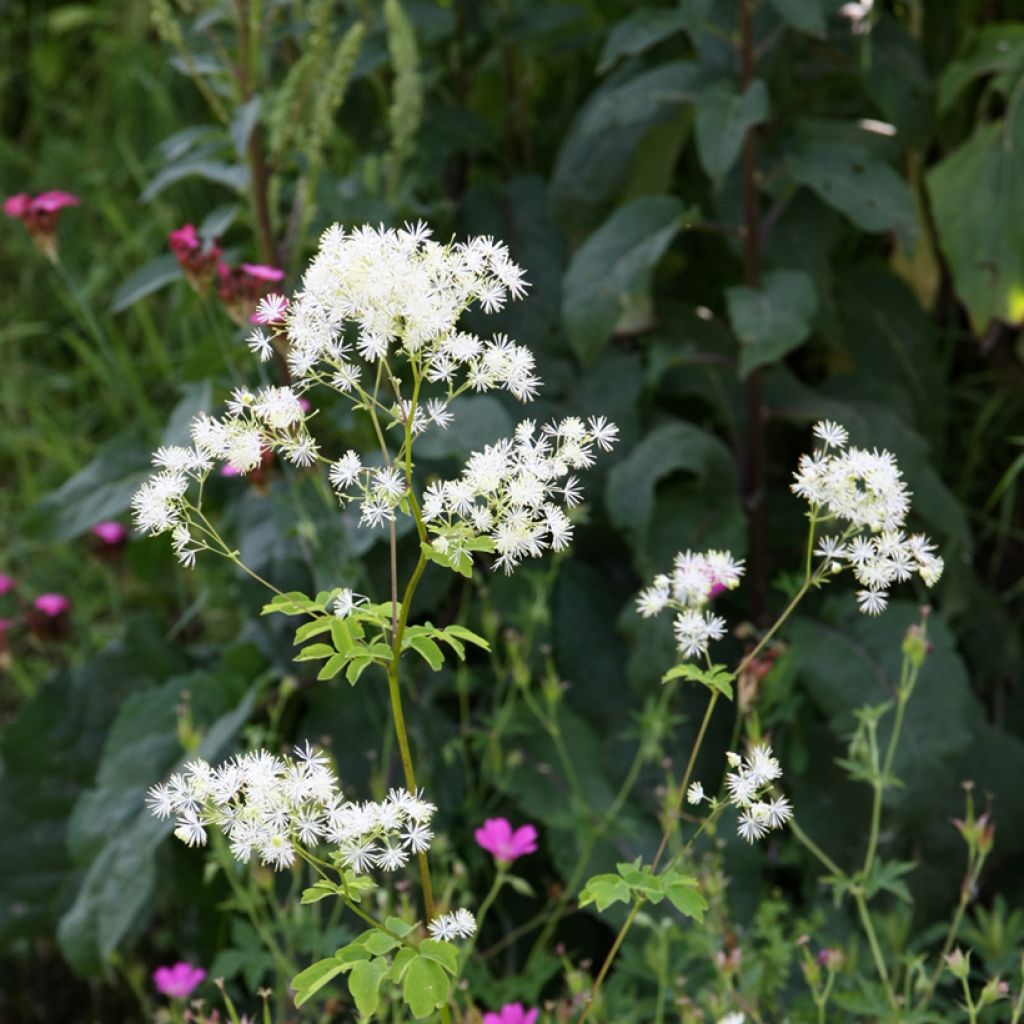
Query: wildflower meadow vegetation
x,y
509,512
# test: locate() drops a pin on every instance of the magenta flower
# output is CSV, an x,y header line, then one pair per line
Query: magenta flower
x,y
497,838
228,470
7,583
262,272
112,533
512,1013
39,215
52,605
198,262
178,981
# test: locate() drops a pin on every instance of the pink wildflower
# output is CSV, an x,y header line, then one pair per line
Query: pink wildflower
x,y
111,533
498,839
262,272
198,262
228,470
52,605
512,1013
7,583
241,288
178,981
39,215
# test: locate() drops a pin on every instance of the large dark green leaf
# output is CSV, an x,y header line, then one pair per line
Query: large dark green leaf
x,y
596,158
610,274
772,320
807,16
858,184
234,176
645,28
977,195
724,115
150,277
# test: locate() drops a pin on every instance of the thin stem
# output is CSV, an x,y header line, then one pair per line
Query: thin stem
x,y
606,966
805,840
876,951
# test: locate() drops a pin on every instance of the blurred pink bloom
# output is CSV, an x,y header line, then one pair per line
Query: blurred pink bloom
x,y
7,583
39,215
52,605
305,405
184,240
262,272
228,470
497,838
178,981
716,589
512,1013
111,532
198,262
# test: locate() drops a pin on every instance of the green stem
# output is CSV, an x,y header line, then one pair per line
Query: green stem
x,y
876,950
606,966
805,840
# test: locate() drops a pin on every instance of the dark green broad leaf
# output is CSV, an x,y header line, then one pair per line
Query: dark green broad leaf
x,y
898,80
234,176
647,27
610,274
977,195
598,154
48,756
998,50
724,115
772,320
101,490
112,835
858,183
706,500
149,278
806,16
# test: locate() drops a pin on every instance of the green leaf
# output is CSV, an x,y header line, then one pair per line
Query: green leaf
x,y
234,176
887,876
332,666
293,603
464,634
604,890
683,894
641,880
858,184
772,320
308,982
149,278
807,16
364,984
243,123
717,678
311,629
611,272
723,119
341,634
443,953
315,652
998,50
977,195
319,891
645,28
428,650
425,987
356,667
378,942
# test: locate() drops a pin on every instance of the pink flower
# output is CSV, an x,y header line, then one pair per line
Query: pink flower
x,y
184,240
39,215
262,272
7,583
228,470
52,605
198,262
178,981
497,838
512,1013
111,533
51,202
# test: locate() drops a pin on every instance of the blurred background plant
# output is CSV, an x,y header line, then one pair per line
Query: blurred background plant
x,y
737,217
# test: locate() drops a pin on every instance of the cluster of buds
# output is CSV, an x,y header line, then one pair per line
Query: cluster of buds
x,y
39,215
197,258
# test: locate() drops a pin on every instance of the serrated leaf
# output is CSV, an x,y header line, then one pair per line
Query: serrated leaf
x,y
612,270
682,893
723,118
717,678
425,987
772,320
604,890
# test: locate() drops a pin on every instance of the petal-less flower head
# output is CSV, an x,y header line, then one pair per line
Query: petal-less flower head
x,y
498,838
459,924
749,787
512,1013
178,981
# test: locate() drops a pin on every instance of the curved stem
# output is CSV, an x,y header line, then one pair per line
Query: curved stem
x,y
606,966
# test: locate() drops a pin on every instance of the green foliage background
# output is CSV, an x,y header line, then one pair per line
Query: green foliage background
x,y
604,142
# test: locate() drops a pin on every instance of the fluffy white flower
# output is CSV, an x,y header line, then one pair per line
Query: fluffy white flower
x,y
458,925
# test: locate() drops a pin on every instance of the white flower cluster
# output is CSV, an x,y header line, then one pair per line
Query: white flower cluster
x,y
696,579
270,419
268,805
749,786
865,490
398,289
512,490
460,924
